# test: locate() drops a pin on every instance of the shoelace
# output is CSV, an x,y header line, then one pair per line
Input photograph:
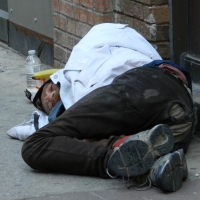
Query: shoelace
x,y
110,174
141,186
130,182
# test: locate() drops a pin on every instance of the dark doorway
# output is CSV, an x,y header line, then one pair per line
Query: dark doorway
x,y
185,37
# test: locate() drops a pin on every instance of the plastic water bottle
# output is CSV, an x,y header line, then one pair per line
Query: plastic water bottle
x,y
32,65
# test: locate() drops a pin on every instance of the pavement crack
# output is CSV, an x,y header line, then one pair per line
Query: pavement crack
x,y
97,196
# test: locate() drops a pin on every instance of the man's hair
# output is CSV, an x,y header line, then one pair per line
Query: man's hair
x,y
37,102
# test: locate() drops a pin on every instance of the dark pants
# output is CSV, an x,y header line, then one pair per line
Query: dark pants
x,y
135,101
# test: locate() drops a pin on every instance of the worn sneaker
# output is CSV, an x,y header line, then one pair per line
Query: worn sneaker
x,y
169,171
135,155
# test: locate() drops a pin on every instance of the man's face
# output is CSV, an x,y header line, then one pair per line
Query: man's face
x,y
50,96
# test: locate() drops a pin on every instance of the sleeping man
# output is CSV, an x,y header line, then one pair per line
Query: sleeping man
x,y
116,109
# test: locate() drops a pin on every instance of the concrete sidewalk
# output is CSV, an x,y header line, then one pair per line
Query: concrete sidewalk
x,y
19,181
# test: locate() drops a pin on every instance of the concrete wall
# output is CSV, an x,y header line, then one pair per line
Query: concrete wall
x,y
4,5
32,15
27,24
74,18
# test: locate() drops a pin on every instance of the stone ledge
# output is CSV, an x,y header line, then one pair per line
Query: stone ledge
x,y
196,97
3,14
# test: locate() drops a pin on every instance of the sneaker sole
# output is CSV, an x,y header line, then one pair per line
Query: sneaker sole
x,y
173,172
136,157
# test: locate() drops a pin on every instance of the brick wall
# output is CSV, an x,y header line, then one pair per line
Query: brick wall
x,y
74,18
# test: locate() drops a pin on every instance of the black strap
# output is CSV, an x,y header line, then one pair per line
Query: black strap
x,y
36,119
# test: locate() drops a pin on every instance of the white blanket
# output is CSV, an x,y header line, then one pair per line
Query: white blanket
x,y
106,51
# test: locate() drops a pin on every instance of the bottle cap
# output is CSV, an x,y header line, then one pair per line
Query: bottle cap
x,y
31,52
